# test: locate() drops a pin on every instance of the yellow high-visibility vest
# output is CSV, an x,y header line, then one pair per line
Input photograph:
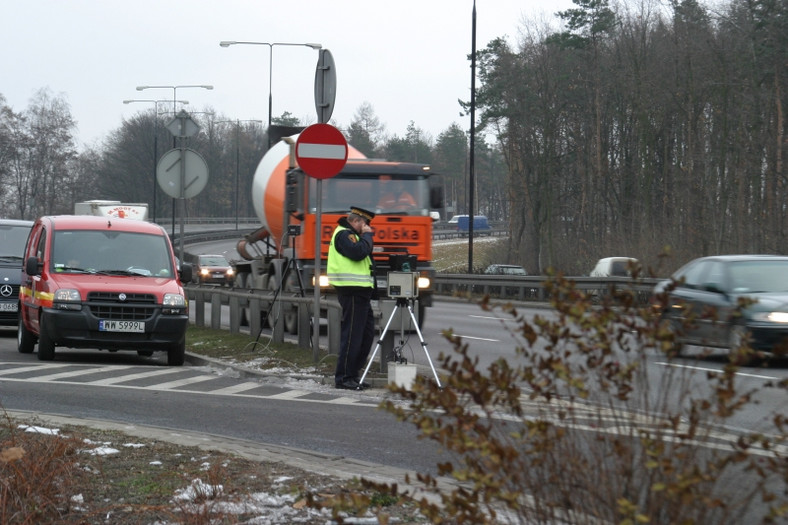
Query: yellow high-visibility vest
x,y
344,271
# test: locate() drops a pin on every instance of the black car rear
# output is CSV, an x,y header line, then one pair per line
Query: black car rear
x,y
13,235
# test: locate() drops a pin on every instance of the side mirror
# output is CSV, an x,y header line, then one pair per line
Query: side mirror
x,y
32,267
185,272
436,195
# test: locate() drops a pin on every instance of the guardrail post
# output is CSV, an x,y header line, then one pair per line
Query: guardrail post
x,y
216,311
304,328
254,315
277,311
199,309
235,315
334,315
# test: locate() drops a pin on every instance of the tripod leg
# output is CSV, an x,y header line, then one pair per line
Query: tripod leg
x,y
424,345
377,346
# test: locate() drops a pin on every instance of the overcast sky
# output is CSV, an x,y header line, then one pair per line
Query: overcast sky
x,y
406,58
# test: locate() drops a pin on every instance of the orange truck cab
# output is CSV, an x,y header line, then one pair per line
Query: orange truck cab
x,y
105,283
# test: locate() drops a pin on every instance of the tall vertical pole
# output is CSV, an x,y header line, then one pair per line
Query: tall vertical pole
x,y
237,166
155,159
471,172
270,89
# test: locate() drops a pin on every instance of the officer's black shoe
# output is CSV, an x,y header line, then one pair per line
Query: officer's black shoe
x,y
364,384
348,384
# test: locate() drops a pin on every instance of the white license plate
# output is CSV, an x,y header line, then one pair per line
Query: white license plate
x,y
8,307
122,326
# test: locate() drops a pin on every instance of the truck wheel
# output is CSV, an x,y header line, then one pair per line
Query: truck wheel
x,y
25,340
176,355
46,347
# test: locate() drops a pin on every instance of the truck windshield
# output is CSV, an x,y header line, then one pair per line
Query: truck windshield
x,y
383,194
111,252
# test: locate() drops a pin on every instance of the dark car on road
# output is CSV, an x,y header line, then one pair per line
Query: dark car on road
x,y
213,269
13,235
722,301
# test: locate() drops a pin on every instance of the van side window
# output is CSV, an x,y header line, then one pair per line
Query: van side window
x,y
41,246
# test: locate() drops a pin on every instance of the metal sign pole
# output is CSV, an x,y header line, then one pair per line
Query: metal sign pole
x,y
318,243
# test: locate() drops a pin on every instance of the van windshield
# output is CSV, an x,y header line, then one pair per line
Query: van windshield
x,y
111,252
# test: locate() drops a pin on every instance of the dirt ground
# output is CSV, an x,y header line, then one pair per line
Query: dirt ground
x,y
108,477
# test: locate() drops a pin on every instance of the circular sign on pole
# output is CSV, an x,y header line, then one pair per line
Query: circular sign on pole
x,y
321,151
168,173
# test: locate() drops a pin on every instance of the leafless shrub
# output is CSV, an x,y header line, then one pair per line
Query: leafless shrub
x,y
36,472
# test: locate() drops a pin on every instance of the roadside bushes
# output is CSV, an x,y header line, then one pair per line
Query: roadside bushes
x,y
36,472
592,420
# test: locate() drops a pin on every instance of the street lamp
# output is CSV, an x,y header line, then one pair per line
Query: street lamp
x,y
228,43
155,141
175,90
237,159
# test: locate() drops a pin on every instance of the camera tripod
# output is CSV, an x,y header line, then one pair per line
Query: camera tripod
x,y
402,302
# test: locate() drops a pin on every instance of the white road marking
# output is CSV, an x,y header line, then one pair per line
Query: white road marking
x,y
142,375
477,338
182,382
705,369
235,389
33,368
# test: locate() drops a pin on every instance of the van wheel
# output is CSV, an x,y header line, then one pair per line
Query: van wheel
x,y
25,340
176,355
46,347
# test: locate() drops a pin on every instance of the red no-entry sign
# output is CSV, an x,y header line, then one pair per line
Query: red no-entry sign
x,y
321,151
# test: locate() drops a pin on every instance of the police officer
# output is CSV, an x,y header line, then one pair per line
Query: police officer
x,y
350,272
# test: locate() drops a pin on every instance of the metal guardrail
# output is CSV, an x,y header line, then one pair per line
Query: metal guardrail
x,y
533,288
253,303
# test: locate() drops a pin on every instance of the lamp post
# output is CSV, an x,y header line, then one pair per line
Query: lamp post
x,y
228,43
175,90
237,159
155,141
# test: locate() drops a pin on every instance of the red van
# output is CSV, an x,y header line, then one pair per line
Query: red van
x,y
105,283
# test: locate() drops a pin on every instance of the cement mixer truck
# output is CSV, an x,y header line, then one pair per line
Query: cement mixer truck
x,y
280,255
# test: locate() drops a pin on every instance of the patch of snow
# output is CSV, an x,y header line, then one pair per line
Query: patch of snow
x,y
198,489
40,430
102,451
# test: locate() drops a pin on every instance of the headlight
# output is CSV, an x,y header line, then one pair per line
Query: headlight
x,y
230,271
204,271
174,304
772,317
323,280
67,299
423,283
174,299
